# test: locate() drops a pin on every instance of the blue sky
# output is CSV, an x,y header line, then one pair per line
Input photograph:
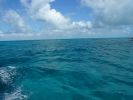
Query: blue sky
x,y
48,19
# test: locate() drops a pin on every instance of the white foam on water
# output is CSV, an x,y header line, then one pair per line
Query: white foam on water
x,y
6,73
16,95
6,76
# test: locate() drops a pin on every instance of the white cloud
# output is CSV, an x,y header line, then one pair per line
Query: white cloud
x,y
82,25
16,36
41,10
17,23
111,12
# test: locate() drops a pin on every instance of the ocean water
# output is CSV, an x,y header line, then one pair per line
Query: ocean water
x,y
75,69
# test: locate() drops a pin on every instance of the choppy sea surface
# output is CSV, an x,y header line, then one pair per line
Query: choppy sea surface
x,y
75,69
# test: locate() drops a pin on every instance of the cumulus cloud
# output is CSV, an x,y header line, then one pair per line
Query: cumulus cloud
x,y
82,25
111,12
41,10
17,23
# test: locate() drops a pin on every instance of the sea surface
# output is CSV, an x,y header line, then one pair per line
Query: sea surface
x,y
69,69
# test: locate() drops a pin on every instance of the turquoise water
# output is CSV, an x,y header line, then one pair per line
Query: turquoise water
x,y
76,69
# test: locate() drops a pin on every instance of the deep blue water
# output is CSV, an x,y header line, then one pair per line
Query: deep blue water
x,y
76,69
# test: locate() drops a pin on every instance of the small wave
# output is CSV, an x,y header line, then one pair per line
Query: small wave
x,y
15,95
11,67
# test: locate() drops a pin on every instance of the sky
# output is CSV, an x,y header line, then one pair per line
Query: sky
x,y
61,19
